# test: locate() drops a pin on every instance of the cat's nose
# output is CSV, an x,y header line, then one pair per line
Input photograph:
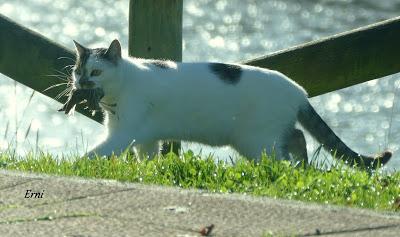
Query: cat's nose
x,y
86,84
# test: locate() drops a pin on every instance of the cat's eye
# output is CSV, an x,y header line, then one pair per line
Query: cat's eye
x,y
95,72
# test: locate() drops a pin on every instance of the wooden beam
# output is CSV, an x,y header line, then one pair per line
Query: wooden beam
x,y
155,31
341,60
31,59
321,66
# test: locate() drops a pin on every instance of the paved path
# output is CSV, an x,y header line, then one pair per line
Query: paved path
x,y
78,207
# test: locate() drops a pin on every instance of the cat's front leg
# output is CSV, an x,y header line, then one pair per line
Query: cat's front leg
x,y
147,149
112,145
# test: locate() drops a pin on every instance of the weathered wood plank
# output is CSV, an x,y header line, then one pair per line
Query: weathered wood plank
x,y
155,31
341,60
31,59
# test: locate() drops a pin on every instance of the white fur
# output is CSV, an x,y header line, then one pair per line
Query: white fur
x,y
190,103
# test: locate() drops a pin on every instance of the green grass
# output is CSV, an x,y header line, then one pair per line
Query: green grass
x,y
338,185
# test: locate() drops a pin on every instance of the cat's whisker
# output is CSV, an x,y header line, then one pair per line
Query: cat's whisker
x,y
63,73
56,85
59,95
72,59
68,67
64,92
60,77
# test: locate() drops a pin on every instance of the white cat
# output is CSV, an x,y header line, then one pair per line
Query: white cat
x,y
249,108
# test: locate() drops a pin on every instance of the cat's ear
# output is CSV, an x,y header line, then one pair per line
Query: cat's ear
x,y
81,50
114,51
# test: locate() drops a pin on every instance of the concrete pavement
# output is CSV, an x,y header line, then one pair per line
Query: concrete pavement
x,y
81,207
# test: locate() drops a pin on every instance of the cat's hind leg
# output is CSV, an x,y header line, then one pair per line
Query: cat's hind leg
x,y
293,142
296,145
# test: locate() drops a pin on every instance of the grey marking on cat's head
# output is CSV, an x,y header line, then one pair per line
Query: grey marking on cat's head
x,y
228,73
111,54
82,55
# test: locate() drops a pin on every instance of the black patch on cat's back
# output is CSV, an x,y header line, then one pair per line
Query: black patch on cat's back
x,y
161,64
228,73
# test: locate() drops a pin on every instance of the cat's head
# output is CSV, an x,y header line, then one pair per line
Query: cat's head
x,y
96,68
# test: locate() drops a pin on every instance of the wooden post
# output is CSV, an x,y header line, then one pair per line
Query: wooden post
x,y
155,31
342,60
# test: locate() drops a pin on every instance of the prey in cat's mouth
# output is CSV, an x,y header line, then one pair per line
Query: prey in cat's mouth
x,y
91,97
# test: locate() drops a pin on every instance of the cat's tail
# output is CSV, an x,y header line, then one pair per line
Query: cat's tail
x,y
314,124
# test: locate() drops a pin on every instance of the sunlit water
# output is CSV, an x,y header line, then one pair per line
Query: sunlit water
x,y
365,116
